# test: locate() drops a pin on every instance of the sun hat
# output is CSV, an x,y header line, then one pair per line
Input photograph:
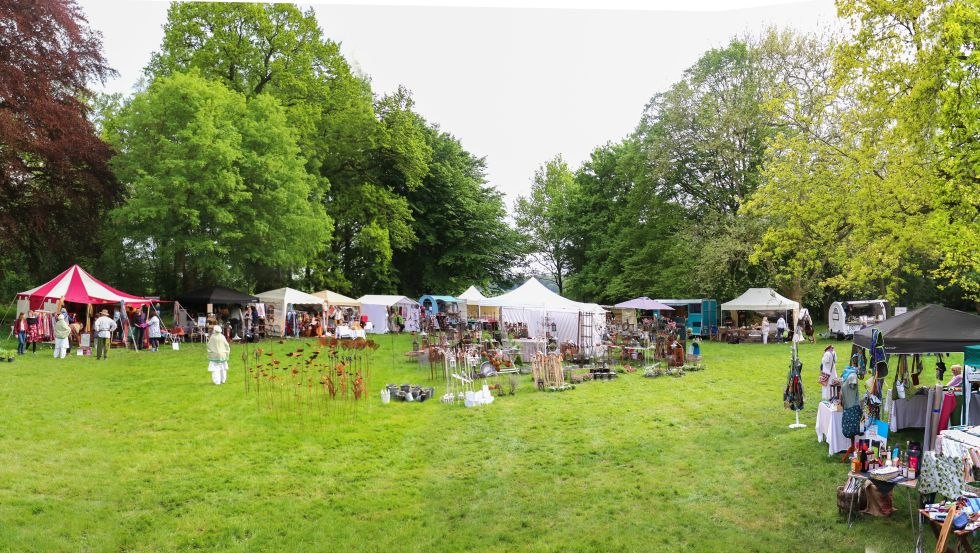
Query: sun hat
x,y
104,312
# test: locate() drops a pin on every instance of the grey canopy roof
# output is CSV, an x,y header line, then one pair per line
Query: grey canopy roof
x,y
929,329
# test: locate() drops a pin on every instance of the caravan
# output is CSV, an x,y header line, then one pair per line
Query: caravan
x,y
847,317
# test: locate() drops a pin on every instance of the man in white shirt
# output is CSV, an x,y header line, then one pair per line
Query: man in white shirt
x,y
780,328
103,327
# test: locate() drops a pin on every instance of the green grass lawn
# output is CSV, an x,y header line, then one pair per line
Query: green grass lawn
x,y
142,453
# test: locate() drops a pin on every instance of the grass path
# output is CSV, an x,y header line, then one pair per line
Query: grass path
x,y
142,453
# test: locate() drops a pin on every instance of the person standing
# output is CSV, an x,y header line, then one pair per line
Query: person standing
x,y
765,330
153,328
803,329
780,328
139,328
20,330
103,327
33,331
61,333
828,371
218,352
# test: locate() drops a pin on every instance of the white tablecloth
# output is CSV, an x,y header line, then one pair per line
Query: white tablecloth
x,y
828,429
344,331
529,347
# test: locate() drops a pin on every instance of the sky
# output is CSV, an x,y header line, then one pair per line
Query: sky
x,y
517,82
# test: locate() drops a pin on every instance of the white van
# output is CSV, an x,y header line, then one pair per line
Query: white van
x,y
847,317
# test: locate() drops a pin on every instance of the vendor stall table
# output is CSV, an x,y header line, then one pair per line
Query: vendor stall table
x,y
912,412
828,428
909,484
528,347
962,536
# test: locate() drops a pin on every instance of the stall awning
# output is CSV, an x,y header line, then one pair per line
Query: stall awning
x,y
215,295
76,285
645,304
929,329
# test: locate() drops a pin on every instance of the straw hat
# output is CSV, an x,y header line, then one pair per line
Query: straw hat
x,y
104,312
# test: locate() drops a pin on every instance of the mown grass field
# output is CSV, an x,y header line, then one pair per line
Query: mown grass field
x,y
142,453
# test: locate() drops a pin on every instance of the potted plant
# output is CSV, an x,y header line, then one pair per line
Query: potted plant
x,y
7,355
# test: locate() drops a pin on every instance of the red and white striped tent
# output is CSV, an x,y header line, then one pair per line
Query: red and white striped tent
x,y
75,285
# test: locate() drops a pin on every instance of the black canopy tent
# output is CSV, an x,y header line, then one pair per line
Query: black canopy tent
x,y
929,329
216,295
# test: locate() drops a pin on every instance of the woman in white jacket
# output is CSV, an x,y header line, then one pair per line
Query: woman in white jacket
x,y
218,353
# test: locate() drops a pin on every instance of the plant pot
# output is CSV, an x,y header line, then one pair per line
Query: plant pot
x,y
10,360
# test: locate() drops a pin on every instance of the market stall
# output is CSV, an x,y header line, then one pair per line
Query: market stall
x,y
78,292
932,329
475,310
214,303
385,312
442,312
341,309
698,316
764,301
543,314
282,318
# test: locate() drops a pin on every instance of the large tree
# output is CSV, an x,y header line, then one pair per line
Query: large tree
x,y
543,216
705,136
459,222
217,187
371,157
55,184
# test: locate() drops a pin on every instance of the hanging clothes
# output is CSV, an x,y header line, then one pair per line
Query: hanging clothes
x,y
793,394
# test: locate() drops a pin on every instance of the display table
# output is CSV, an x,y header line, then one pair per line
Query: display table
x,y
828,429
529,347
913,412
344,331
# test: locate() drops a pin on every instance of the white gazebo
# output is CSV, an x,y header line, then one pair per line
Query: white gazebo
x,y
334,298
378,307
544,312
762,300
279,301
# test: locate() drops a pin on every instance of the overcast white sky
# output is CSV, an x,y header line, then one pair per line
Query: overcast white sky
x,y
518,85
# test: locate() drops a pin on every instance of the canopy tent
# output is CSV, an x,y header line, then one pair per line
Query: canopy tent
x,y
545,312
627,312
333,298
279,301
474,305
377,307
644,303
762,300
215,295
472,295
74,285
929,329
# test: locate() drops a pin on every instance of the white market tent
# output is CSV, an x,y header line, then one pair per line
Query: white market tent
x,y
333,298
472,295
762,300
376,308
543,311
474,304
279,301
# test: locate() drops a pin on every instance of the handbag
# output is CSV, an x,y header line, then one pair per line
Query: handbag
x,y
176,346
824,378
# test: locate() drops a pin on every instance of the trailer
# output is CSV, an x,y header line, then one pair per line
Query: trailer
x,y
847,317
699,316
